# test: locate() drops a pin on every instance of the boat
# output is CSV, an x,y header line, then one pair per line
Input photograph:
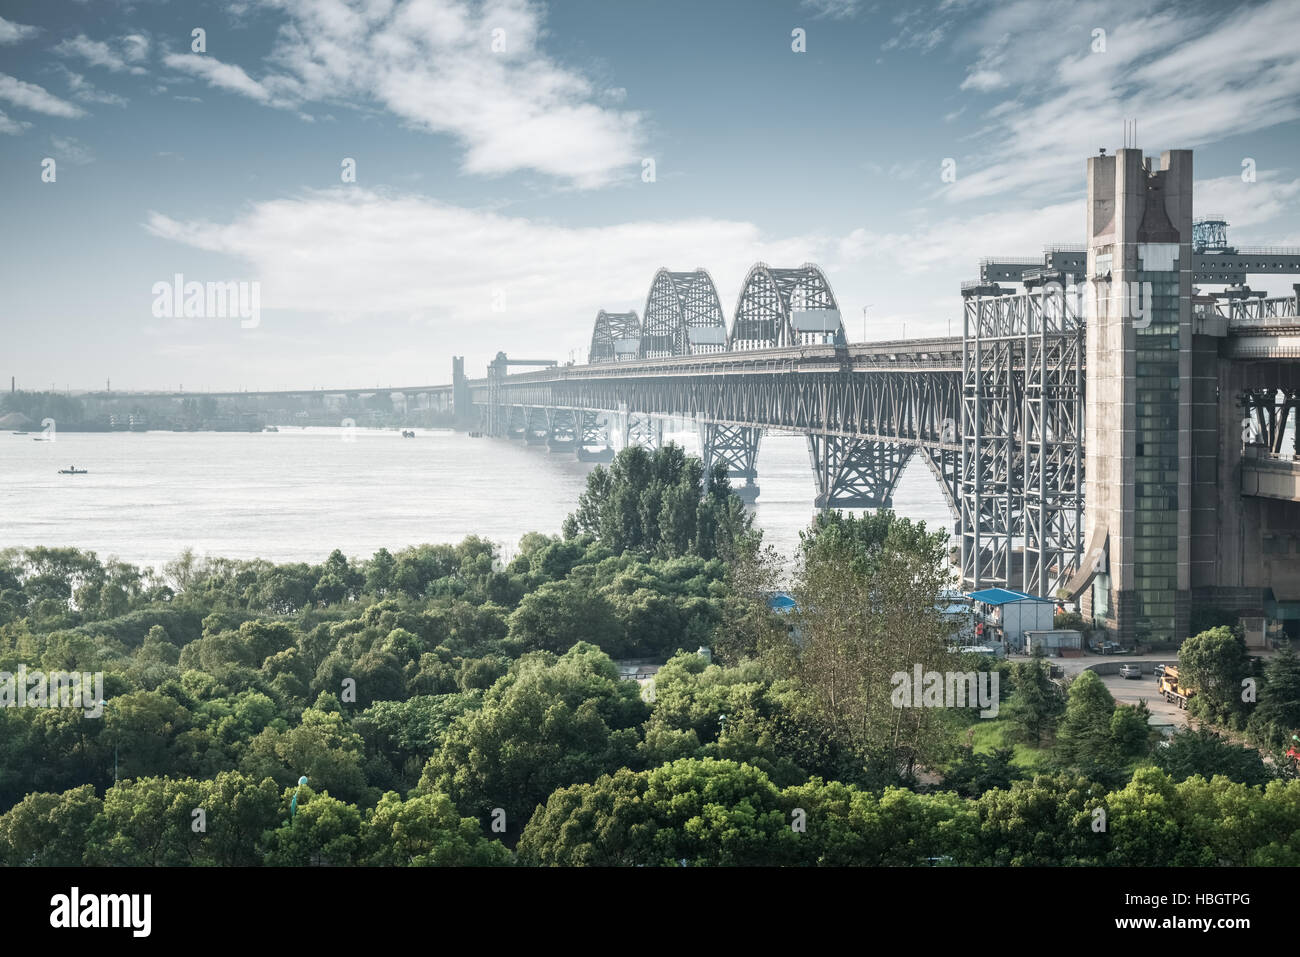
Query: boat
x,y
22,433
73,470
408,434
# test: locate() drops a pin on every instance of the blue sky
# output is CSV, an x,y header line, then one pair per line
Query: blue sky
x,y
499,200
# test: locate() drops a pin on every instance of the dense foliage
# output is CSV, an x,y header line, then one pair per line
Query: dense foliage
x,y
453,706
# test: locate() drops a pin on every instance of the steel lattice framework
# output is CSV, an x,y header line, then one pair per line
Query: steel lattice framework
x,y
683,316
768,298
616,336
857,402
996,415
1022,439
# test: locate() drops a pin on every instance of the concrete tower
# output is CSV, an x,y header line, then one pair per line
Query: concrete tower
x,y
1139,394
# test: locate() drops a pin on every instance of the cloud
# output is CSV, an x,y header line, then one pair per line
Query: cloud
x,y
223,76
1245,205
29,96
945,243
835,9
68,149
1190,78
124,54
11,32
12,127
353,253
472,70
86,92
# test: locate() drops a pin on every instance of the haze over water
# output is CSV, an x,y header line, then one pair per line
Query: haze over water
x,y
297,494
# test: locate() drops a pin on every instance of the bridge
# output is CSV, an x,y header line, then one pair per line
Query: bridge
x,y
1145,341
1186,492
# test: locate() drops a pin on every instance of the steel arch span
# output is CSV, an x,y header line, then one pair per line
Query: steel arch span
x,y
786,307
683,316
617,335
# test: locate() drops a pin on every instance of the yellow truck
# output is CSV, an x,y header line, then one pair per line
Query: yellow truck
x,y
1175,692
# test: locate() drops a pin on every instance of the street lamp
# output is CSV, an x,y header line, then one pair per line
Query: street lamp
x,y
116,735
293,805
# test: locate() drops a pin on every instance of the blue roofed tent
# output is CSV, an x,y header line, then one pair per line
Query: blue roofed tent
x,y
781,602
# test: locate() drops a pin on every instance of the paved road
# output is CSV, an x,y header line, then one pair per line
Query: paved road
x,y
1130,690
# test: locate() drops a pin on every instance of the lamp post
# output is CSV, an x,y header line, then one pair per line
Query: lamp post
x,y
116,736
293,805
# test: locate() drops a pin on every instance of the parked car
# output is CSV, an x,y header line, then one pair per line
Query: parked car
x,y
1130,671
1110,647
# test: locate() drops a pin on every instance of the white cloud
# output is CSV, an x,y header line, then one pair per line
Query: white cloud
x,y
835,9
223,76
124,54
29,96
1188,78
12,127
1245,205
433,64
354,253
11,32
942,244
69,149
87,92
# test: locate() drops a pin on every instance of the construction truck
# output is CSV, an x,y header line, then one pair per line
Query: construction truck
x,y
1174,691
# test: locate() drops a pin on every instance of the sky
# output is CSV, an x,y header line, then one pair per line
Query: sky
x,y
406,180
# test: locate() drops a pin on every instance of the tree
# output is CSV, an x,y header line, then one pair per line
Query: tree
x,y
551,722
866,592
977,773
145,822
1277,716
1205,752
48,830
425,831
1084,734
322,746
324,832
660,503
691,812
1036,703
1045,821
559,614
1215,662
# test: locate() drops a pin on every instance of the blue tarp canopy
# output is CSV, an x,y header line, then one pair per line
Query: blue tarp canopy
x,y
1003,596
781,602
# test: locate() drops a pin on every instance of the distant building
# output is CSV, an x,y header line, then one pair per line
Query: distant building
x,y
958,615
1004,615
642,671
1054,643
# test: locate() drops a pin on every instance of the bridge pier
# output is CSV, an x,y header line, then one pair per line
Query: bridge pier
x,y
643,430
594,444
537,428
736,448
855,473
564,432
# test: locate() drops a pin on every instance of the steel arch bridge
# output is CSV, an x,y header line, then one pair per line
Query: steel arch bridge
x,y
784,307
683,316
617,336
995,414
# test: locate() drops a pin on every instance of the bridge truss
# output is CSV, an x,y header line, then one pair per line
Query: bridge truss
x,y
1021,484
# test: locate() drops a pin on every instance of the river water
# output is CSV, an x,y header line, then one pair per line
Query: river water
x,y
297,494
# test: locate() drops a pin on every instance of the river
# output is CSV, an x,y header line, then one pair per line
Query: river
x,y
297,494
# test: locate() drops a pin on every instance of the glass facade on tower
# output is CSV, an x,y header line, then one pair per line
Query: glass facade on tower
x,y
1153,306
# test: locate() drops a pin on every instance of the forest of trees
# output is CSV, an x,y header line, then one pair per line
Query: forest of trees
x,y
449,707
